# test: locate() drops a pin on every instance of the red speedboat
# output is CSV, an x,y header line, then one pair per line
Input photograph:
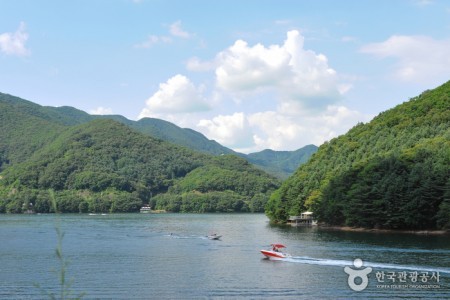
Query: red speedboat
x,y
275,252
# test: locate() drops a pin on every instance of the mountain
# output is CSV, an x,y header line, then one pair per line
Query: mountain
x,y
106,166
392,172
278,163
281,163
24,128
181,136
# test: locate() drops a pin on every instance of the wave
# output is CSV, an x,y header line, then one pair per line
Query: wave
x,y
175,236
344,263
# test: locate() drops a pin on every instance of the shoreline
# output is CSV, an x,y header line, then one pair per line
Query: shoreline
x,y
361,229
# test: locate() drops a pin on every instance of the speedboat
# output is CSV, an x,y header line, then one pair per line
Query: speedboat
x,y
275,252
214,236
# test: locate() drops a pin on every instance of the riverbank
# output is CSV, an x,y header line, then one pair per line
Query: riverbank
x,y
360,229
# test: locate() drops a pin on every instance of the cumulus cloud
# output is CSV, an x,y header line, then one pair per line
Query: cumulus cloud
x,y
231,130
296,74
274,130
101,111
14,43
280,97
419,58
283,131
178,95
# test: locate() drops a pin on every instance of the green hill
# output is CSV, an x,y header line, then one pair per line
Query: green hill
x,y
181,136
390,173
106,166
26,126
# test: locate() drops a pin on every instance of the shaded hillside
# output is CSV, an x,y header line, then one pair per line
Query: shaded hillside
x,y
24,128
390,173
106,166
281,163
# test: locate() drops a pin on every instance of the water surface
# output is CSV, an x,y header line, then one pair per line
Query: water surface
x,y
167,256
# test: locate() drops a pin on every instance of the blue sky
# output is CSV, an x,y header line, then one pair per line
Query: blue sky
x,y
249,74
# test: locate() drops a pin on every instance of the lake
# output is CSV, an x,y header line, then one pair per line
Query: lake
x,y
167,256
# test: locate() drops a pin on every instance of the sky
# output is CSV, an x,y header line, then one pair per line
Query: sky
x,y
250,74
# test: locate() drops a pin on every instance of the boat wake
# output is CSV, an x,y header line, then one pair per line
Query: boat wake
x,y
343,263
175,236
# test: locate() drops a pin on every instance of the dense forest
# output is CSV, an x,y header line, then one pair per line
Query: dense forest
x,y
25,127
393,172
106,166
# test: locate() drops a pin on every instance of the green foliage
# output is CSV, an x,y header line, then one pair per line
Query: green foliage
x,y
26,127
228,183
216,201
390,173
105,166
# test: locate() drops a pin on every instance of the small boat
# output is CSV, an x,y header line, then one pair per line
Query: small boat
x,y
214,236
145,209
275,252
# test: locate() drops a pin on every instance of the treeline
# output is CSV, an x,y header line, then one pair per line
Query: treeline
x,y
68,201
225,185
405,191
390,173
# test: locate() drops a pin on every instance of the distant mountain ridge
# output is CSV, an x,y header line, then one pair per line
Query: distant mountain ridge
x,y
278,163
282,163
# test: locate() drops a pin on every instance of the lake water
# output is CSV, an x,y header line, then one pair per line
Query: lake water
x,y
167,256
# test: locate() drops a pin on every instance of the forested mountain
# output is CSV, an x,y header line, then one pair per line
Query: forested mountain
x,y
281,163
181,136
393,172
106,166
22,120
24,128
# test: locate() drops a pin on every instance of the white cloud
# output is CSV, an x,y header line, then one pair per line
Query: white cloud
x,y
176,30
296,74
101,111
419,58
14,43
232,130
280,97
279,131
178,95
274,130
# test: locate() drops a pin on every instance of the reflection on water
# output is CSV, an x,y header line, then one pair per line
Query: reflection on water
x,y
142,256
